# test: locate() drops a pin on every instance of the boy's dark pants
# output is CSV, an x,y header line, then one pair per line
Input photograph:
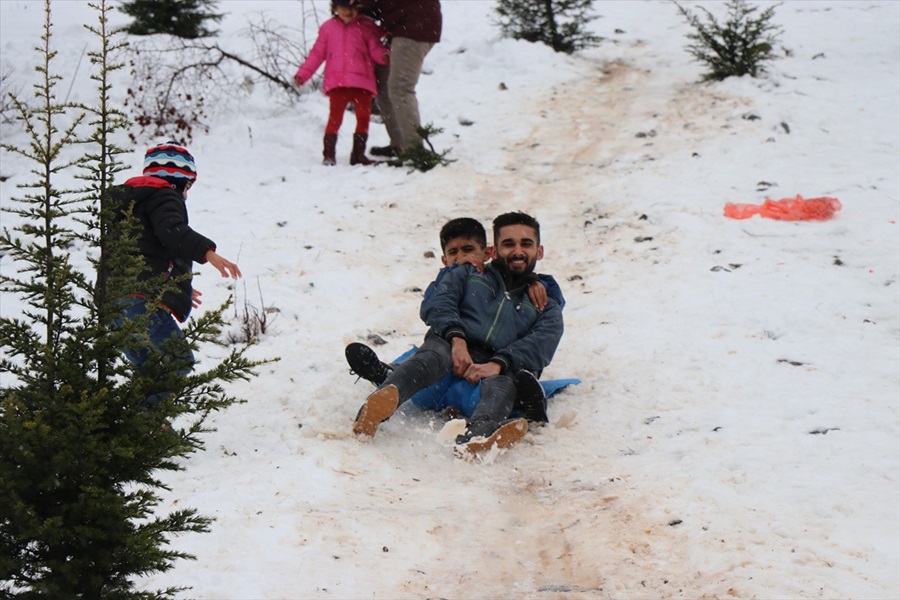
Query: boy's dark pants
x,y
433,360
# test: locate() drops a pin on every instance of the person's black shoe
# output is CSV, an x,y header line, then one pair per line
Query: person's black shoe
x,y
475,429
364,363
481,436
530,398
386,151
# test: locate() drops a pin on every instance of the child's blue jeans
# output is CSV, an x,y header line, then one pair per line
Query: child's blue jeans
x,y
161,326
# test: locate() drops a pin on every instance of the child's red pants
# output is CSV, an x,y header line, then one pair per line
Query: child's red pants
x,y
339,98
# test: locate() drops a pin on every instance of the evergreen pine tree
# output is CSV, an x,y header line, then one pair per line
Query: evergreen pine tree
x,y
79,458
181,18
559,24
739,46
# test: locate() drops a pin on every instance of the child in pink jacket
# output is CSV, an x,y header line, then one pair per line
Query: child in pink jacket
x,y
349,44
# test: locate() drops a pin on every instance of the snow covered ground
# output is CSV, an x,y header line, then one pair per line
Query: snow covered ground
x,y
736,433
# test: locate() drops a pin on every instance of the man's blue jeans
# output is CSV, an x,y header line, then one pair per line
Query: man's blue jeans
x,y
161,326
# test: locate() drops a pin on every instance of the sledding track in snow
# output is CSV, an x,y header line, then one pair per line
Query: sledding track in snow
x,y
559,515
594,506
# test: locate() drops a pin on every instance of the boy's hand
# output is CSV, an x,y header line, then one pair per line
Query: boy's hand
x,y
477,372
537,293
222,264
195,298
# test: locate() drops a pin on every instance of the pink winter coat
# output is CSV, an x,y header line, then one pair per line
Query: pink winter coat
x,y
349,53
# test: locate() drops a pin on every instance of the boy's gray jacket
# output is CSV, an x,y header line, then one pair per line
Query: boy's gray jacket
x,y
504,322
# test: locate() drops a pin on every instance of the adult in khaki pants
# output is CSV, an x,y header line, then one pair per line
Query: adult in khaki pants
x,y
413,27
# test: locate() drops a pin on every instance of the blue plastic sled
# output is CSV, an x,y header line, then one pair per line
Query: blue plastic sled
x,y
452,391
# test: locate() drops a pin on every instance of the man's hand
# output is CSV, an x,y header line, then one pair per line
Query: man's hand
x,y
471,260
195,298
477,372
537,293
460,353
223,265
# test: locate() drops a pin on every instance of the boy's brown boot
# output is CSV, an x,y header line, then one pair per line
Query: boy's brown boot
x,y
358,155
329,143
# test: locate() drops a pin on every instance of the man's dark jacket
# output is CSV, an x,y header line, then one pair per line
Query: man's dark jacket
x,y
167,244
418,20
501,321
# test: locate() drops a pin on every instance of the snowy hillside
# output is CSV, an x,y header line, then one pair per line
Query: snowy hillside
x,y
737,429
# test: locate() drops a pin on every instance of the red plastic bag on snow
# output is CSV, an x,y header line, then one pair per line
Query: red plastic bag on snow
x,y
787,209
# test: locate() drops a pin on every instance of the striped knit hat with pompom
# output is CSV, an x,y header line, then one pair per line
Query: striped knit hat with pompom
x,y
171,162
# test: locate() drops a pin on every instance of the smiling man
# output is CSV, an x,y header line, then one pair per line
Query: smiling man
x,y
483,327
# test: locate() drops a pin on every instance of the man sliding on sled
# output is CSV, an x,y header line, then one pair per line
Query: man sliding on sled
x,y
483,328
464,242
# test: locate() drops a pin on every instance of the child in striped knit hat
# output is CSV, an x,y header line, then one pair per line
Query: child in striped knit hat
x,y
168,247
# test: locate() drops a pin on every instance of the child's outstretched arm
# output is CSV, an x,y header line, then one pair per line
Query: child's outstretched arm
x,y
315,58
222,264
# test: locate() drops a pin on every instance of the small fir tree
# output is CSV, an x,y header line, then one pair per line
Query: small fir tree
x,y
79,458
560,24
181,18
422,158
739,46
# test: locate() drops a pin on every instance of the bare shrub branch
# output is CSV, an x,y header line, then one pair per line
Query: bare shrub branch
x,y
253,322
177,80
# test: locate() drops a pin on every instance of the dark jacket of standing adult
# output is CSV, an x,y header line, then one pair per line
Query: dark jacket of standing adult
x,y
166,242
418,20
